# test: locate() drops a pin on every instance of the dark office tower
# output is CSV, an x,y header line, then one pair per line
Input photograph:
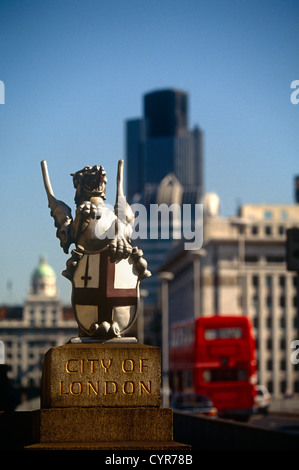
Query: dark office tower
x,y
164,163
161,143
297,189
135,138
166,112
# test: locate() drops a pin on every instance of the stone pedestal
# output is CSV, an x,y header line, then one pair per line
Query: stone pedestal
x,y
103,396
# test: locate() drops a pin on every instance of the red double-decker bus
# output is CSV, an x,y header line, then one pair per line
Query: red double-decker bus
x,y
216,356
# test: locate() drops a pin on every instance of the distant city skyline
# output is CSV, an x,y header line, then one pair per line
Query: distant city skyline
x,y
73,72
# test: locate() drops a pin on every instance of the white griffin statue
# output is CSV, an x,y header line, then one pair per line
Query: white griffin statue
x,y
104,268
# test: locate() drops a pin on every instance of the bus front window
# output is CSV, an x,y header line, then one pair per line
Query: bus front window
x,y
225,375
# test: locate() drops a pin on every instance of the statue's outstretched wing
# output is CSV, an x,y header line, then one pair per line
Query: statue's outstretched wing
x,y
60,212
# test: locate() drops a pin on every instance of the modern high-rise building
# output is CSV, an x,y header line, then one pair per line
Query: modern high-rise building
x,y
164,162
296,188
160,143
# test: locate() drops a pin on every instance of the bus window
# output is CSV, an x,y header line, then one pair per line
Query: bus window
x,y
224,375
223,333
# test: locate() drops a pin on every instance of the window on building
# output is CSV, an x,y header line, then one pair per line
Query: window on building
x,y
270,386
251,259
269,301
282,322
283,387
275,259
283,364
282,301
268,215
282,281
268,230
255,302
254,230
281,230
269,282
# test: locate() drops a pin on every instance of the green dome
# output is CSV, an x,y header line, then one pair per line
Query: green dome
x,y
44,269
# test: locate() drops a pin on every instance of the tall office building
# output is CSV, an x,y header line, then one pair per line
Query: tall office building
x,y
164,162
160,143
296,189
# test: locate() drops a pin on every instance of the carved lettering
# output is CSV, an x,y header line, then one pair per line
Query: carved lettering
x,y
90,386
142,365
98,386
128,388
106,367
61,392
67,366
76,388
79,365
143,387
111,387
92,361
128,365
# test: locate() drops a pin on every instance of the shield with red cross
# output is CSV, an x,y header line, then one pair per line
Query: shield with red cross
x,y
105,292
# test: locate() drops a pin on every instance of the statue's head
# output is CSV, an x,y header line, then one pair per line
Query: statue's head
x,y
89,182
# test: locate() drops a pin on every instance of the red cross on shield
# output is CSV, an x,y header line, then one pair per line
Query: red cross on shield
x,y
105,291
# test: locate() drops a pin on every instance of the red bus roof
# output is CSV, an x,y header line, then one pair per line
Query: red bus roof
x,y
222,319
215,320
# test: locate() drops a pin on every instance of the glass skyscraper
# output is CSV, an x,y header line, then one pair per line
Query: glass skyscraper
x,y
160,143
164,163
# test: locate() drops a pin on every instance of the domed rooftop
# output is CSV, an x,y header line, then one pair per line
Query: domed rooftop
x,y
44,279
44,269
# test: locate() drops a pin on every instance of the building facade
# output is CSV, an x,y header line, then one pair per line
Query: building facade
x,y
160,143
28,331
241,269
164,161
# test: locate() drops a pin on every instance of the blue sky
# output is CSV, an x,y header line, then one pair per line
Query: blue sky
x,y
74,71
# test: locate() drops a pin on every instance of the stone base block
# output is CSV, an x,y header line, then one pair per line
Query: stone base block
x,y
101,375
104,429
105,425
119,446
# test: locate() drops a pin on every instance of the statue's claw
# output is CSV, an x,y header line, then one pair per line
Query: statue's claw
x,y
120,249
